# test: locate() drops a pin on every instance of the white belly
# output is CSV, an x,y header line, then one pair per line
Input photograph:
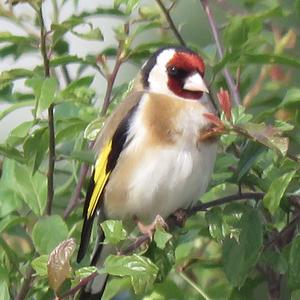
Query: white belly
x,y
167,179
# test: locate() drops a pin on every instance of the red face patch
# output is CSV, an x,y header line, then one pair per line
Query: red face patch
x,y
186,64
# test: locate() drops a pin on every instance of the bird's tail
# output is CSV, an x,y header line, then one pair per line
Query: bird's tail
x,y
95,288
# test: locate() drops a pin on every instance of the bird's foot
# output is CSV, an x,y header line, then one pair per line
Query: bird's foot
x,y
150,229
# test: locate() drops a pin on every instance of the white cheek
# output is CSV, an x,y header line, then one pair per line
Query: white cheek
x,y
158,78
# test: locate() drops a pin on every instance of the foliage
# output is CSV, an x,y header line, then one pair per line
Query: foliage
x,y
244,245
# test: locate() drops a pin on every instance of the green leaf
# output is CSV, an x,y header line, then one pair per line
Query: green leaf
x,y
32,189
113,231
46,98
85,272
276,191
93,129
68,92
48,232
15,39
83,156
141,270
92,34
291,61
35,148
7,77
9,200
294,264
291,99
236,33
39,264
240,257
60,29
215,223
161,237
266,135
115,286
70,59
18,134
11,221
249,155
131,5
72,128
11,153
4,291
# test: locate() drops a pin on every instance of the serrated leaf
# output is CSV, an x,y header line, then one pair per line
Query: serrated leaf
x,y
48,232
240,257
161,237
215,223
59,268
113,231
39,264
276,191
266,135
141,270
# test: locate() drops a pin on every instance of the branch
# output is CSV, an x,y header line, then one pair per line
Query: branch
x,y
51,161
83,282
178,219
111,79
224,200
230,82
166,13
26,285
74,201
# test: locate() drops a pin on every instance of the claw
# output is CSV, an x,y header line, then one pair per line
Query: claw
x,y
150,229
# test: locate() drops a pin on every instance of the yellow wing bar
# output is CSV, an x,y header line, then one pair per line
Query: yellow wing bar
x,y
100,178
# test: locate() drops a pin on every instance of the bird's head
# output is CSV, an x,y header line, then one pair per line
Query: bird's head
x,y
175,71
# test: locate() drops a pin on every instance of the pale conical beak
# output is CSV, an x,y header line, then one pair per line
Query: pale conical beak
x,y
195,83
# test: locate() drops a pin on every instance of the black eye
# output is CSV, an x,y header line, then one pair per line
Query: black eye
x,y
175,72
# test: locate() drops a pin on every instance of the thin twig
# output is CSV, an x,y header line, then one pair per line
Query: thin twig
x,y
285,231
230,82
74,201
111,80
26,285
51,162
194,285
83,282
224,200
166,13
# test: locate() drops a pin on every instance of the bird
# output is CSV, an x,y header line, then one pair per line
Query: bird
x,y
150,158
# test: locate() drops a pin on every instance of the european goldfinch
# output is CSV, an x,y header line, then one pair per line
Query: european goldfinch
x,y
151,159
